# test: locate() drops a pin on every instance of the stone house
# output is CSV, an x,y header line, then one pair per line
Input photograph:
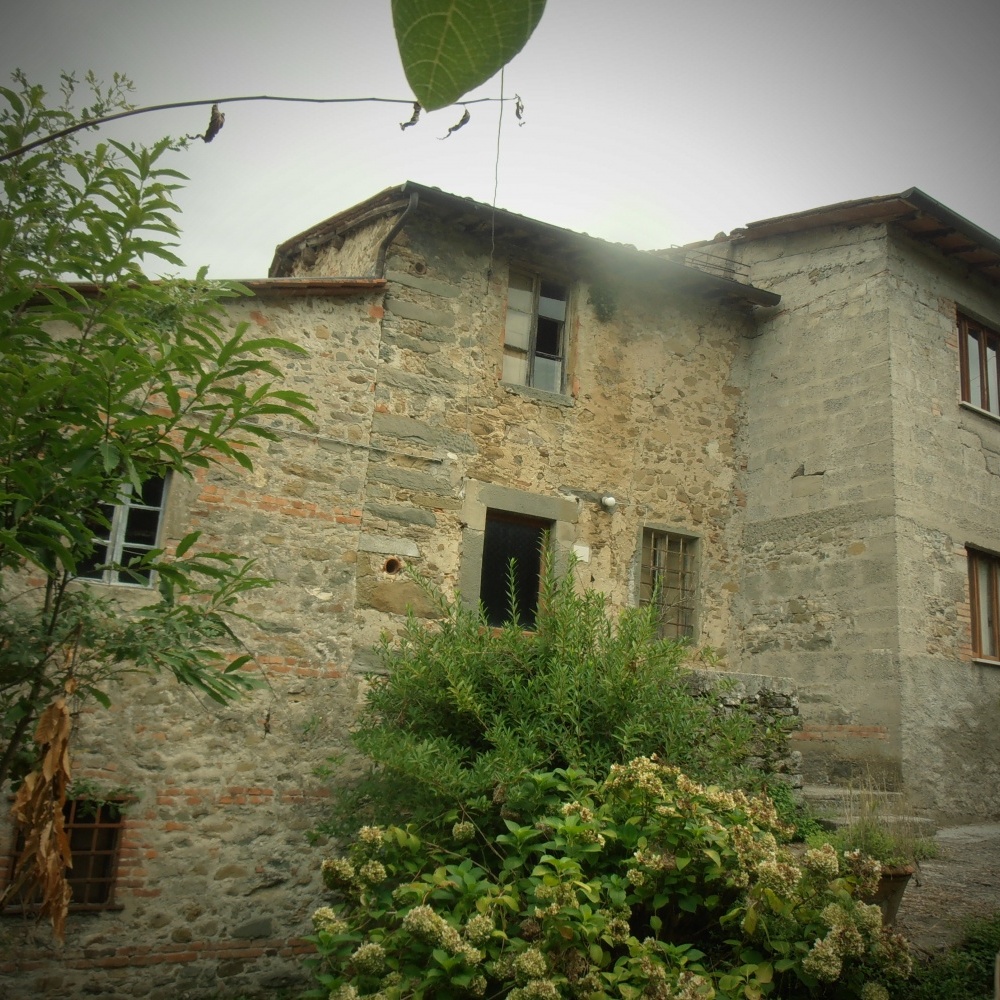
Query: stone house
x,y
772,425
870,545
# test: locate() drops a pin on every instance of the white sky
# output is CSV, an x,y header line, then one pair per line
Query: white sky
x,y
651,122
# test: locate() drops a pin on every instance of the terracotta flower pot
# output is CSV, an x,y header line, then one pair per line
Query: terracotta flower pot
x,y
890,891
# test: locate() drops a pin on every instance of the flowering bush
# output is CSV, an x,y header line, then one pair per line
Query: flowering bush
x,y
647,884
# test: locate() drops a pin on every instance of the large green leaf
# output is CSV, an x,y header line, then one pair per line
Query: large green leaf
x,y
450,46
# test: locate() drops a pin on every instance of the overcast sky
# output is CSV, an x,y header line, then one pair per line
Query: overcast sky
x,y
650,122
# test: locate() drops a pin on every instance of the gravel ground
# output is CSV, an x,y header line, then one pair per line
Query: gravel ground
x,y
961,883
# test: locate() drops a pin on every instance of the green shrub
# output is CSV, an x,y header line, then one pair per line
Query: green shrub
x,y
646,884
963,973
792,813
464,708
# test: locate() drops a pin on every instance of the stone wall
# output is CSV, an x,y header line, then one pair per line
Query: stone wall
x,y
866,478
411,426
818,600
947,461
773,703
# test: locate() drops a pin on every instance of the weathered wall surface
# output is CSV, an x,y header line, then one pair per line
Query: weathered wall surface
x,y
818,598
865,480
947,464
651,417
217,877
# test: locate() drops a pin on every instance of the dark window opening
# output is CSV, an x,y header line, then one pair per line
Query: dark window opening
x,y
512,537
94,832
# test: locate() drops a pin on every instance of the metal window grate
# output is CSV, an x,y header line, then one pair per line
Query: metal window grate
x,y
668,578
94,832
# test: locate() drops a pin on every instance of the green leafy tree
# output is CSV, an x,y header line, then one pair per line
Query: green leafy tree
x,y
109,378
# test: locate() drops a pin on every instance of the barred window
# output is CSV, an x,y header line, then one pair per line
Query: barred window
x,y
668,577
94,831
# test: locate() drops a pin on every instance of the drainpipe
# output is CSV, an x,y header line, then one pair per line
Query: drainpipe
x,y
383,248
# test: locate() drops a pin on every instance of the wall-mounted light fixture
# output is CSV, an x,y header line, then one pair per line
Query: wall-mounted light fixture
x,y
608,502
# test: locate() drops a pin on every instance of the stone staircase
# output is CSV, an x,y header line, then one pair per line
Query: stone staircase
x,y
838,805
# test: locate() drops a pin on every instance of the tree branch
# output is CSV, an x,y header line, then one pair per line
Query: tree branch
x,y
104,119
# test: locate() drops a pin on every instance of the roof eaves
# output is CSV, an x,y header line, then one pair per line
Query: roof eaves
x,y
925,219
499,220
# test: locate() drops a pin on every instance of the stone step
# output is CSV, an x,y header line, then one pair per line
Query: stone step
x,y
836,806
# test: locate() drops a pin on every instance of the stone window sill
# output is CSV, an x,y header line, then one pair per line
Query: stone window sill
x,y
540,395
980,412
983,662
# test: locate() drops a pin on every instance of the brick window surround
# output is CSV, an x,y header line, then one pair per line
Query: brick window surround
x,y
979,354
984,592
668,576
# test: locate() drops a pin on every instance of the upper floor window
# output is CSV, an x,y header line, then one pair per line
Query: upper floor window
x,y
979,350
668,578
984,586
133,528
534,349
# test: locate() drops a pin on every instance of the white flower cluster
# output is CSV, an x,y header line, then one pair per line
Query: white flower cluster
x,y
874,991
822,862
823,961
372,872
778,876
479,928
656,861
369,959
372,836
326,921
691,986
644,774
866,870
557,896
339,874
571,808
423,923
843,934
530,964
537,989
463,831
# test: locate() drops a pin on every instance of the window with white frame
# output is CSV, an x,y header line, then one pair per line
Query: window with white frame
x,y
668,579
534,349
132,528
